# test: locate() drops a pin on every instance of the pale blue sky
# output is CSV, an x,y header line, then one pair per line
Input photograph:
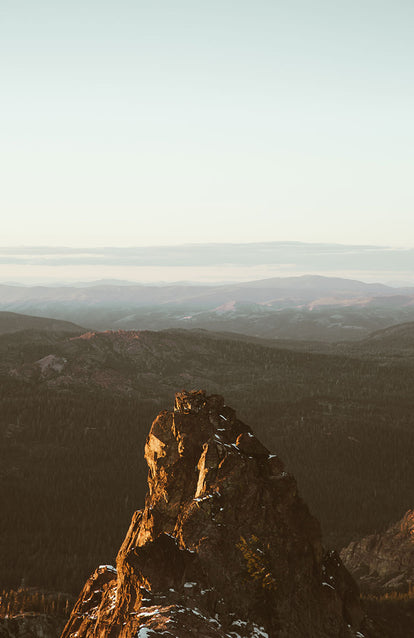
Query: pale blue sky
x,y
138,123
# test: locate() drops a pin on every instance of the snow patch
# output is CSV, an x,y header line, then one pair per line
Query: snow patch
x,y
110,568
259,632
203,498
148,614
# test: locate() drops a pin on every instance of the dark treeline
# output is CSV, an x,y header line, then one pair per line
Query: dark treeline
x,y
392,614
71,474
26,600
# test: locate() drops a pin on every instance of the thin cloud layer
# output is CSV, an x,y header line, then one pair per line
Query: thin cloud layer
x,y
291,255
205,263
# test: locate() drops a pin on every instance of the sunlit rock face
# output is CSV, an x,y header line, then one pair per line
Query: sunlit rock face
x,y
384,562
223,547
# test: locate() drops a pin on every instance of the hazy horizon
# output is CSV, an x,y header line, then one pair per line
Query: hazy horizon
x,y
205,263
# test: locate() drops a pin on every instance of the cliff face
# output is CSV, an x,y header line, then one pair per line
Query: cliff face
x,y
223,547
384,562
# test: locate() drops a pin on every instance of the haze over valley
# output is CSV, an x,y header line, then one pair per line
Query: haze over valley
x,y
306,307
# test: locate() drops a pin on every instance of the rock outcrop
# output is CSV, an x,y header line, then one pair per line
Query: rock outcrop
x,y
384,562
224,547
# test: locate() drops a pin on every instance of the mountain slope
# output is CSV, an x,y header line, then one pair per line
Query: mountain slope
x,y
395,341
13,322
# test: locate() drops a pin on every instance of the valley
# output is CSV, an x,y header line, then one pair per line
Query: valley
x,y
76,410
327,309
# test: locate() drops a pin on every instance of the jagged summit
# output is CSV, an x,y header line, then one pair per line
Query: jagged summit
x,y
224,546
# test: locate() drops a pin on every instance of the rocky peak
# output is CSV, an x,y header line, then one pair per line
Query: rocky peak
x,y
223,547
384,562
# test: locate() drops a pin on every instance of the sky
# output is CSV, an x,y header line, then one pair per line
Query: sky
x,y
132,123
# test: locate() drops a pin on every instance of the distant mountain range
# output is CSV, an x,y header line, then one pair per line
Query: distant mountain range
x,y
307,307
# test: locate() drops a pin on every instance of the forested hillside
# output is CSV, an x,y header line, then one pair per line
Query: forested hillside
x,y
72,435
70,475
